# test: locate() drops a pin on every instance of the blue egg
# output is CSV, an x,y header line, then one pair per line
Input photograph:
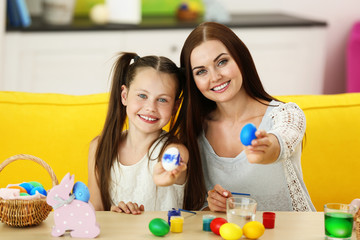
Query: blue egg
x,y
40,190
248,134
81,192
27,186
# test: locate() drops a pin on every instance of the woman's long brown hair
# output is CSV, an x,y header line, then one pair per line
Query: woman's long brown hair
x,y
124,71
195,106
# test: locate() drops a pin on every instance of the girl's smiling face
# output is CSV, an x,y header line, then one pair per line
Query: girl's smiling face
x,y
215,72
150,99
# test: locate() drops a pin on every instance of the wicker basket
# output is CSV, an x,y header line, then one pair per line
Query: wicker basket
x,y
357,224
24,213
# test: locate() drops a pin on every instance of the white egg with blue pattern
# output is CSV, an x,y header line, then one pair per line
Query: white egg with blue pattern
x,y
171,159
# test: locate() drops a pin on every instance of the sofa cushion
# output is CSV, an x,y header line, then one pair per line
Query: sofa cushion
x,y
54,127
58,129
331,158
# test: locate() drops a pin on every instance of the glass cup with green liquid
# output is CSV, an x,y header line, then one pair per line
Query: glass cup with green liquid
x,y
339,220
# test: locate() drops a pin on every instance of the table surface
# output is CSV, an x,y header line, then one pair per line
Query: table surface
x,y
288,225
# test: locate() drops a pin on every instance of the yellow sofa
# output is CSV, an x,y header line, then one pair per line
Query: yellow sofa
x,y
58,129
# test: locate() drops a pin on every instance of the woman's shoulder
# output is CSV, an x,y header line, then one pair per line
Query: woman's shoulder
x,y
287,113
284,107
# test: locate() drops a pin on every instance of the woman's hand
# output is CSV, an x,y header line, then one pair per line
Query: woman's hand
x,y
128,208
264,149
217,198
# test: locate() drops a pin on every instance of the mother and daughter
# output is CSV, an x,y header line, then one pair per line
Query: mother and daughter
x,y
215,93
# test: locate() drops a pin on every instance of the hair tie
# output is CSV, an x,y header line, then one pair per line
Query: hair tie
x,y
136,58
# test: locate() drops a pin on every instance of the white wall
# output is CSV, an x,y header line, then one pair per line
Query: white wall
x,y
340,15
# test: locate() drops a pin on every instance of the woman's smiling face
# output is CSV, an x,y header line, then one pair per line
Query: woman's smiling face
x,y
215,72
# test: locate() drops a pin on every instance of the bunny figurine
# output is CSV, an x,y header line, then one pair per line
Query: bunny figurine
x,y
71,214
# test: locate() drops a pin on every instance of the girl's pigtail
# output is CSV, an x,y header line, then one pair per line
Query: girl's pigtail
x,y
110,137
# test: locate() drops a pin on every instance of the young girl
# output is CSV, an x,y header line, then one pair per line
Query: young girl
x,y
124,168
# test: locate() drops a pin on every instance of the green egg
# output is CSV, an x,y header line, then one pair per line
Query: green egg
x,y
36,184
338,224
159,227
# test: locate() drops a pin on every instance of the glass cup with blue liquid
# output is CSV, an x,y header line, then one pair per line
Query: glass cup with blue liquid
x,y
339,220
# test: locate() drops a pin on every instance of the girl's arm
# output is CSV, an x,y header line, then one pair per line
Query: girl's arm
x,y
95,195
163,178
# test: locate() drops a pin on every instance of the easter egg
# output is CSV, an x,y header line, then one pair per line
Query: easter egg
x,y
24,194
22,190
230,231
253,229
248,134
183,6
36,184
159,227
338,224
81,192
171,159
28,187
99,14
216,223
40,190
195,6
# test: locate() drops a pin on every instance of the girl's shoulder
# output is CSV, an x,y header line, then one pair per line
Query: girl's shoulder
x,y
94,143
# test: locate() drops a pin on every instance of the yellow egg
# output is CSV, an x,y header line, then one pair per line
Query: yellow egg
x,y
195,7
253,229
230,231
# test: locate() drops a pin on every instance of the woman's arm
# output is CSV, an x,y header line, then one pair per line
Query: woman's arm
x,y
265,149
289,125
95,195
288,129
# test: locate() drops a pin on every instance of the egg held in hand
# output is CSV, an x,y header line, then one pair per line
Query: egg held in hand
x,y
248,134
171,159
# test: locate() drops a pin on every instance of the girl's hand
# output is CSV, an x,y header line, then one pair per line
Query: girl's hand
x,y
128,208
217,198
264,149
164,178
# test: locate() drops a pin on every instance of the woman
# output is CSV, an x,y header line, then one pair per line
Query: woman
x,y
223,94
